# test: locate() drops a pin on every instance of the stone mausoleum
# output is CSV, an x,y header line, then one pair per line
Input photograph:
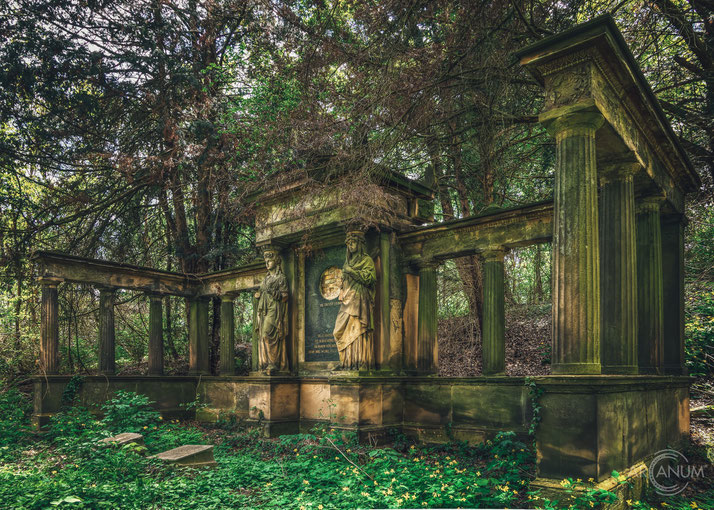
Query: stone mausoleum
x,y
345,332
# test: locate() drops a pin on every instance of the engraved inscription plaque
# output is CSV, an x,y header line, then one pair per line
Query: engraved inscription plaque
x,y
323,277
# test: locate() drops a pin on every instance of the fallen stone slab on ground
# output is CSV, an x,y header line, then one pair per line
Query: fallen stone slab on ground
x,y
124,438
194,455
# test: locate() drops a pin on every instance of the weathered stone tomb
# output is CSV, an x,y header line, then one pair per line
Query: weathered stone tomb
x,y
345,331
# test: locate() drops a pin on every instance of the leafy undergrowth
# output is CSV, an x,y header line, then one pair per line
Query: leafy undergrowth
x,y
68,468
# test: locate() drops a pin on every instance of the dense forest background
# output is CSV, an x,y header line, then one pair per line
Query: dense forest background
x,y
136,131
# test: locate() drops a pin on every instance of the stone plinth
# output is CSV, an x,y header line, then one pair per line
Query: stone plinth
x,y
192,455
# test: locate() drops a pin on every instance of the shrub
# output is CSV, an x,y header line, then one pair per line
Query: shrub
x,y
129,412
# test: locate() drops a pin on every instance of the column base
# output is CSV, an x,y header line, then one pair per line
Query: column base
x,y
199,372
576,368
650,371
675,370
620,369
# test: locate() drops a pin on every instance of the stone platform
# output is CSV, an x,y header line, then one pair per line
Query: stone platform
x,y
591,425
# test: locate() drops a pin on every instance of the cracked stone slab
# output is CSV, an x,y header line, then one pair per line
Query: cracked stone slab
x,y
124,438
195,455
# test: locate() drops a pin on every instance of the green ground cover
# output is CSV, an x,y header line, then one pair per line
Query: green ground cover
x,y
68,468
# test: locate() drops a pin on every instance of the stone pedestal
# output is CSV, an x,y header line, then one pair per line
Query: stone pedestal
x,y
673,293
274,403
49,331
576,252
107,352
618,269
494,321
368,406
228,352
198,362
650,287
156,335
427,320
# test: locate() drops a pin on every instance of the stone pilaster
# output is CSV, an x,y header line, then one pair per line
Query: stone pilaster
x,y
107,348
650,287
49,331
255,337
156,335
494,321
618,268
228,353
198,362
427,319
673,293
576,252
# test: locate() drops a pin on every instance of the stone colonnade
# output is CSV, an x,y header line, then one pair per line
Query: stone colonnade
x,y
616,260
198,332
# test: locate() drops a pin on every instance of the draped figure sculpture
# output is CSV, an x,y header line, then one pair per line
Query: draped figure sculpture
x,y
354,326
272,316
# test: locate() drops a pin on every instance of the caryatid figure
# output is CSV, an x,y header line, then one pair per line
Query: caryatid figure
x,y
354,326
273,316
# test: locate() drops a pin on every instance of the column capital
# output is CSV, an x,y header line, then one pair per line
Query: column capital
x,y
50,281
227,298
106,289
155,296
428,264
493,254
651,203
618,170
566,121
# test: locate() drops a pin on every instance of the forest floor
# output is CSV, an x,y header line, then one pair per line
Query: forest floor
x,y
528,334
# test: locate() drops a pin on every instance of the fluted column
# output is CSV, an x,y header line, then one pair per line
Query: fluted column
x,y
49,331
228,353
673,293
576,253
156,335
618,269
650,286
427,319
107,352
494,321
198,362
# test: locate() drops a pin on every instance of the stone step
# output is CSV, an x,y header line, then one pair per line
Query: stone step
x,y
194,455
124,438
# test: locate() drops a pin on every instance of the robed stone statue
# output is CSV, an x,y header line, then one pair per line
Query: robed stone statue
x,y
354,326
272,316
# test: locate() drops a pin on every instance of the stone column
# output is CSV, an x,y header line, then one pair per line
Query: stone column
x,y
228,349
383,286
493,350
49,331
649,284
156,335
576,251
673,293
427,319
198,362
107,352
618,269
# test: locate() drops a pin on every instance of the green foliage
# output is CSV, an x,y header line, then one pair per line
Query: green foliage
x,y
14,410
74,424
699,330
129,412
